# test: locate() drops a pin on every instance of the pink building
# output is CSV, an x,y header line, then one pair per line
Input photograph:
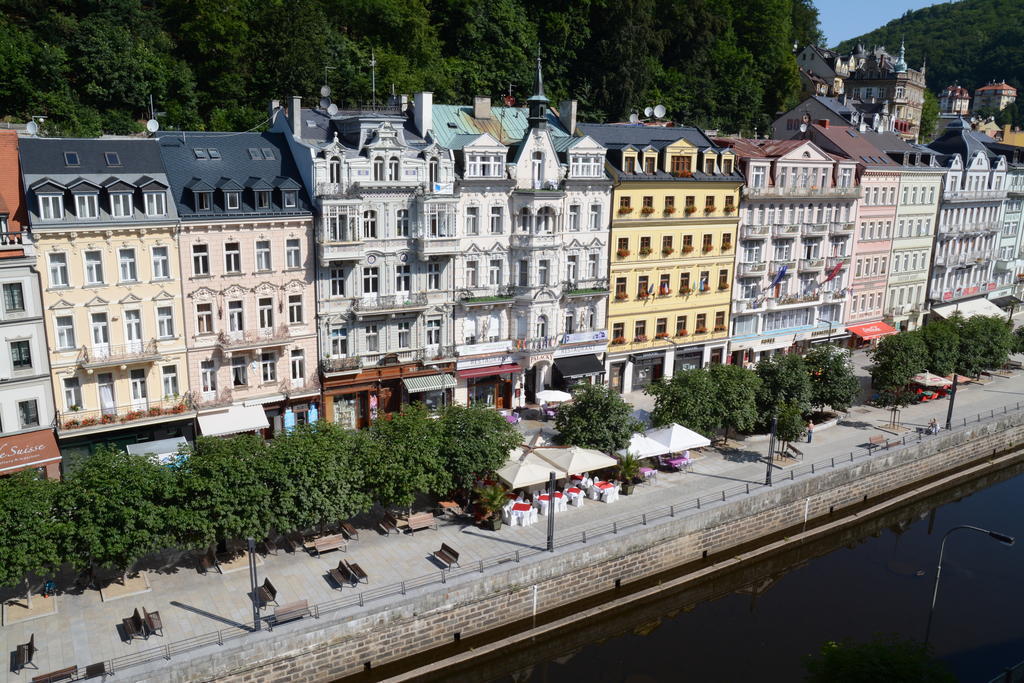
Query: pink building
x,y
879,178
247,272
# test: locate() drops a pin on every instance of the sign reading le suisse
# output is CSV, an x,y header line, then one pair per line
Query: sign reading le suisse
x,y
28,450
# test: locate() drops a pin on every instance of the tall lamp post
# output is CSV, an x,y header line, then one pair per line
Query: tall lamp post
x,y
828,340
952,399
252,584
771,452
1002,538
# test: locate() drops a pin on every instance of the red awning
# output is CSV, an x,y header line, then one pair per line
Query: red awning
x,y
31,449
490,370
869,331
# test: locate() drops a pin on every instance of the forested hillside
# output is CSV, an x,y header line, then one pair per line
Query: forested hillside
x,y
971,41
90,65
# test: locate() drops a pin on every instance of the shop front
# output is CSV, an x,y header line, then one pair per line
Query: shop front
x,y
78,443
433,391
688,358
35,451
570,370
491,386
647,368
866,334
355,399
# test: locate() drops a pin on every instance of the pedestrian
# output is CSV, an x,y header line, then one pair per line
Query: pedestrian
x,y
933,427
810,430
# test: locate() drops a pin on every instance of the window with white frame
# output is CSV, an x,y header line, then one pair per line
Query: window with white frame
x,y
165,322
295,314
337,281
339,341
595,216
543,272
161,263
236,316
290,198
28,413
126,262
51,207
232,257
121,204
200,259
232,200
298,365
402,223
404,334
433,332
265,308
21,355
14,298
72,393
293,253
204,318
497,220
169,378
372,335
592,265
433,276
208,376
572,267
494,272
403,278
574,217
268,366
93,268
371,280
262,199
58,269
263,255
65,327
156,203
472,220
369,224
87,206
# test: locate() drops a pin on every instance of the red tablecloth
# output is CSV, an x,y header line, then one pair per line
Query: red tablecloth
x,y
603,485
576,477
521,507
574,490
558,494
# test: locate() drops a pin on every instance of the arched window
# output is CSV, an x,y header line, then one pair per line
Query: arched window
x,y
402,224
546,220
334,169
435,172
369,224
542,326
525,219
378,169
393,169
538,169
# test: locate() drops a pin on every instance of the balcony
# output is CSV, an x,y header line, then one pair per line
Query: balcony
x,y
792,302
802,191
585,288
755,232
115,417
486,296
833,261
841,229
378,360
543,240
785,231
329,190
747,305
109,355
241,340
789,263
536,344
12,240
811,264
340,365
972,195
752,269
340,251
390,304
1005,265
438,246
815,229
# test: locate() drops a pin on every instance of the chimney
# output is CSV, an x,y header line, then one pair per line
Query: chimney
x,y
272,110
295,116
481,107
403,103
567,115
824,123
423,112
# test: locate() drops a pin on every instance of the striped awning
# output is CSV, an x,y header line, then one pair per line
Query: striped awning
x,y
415,385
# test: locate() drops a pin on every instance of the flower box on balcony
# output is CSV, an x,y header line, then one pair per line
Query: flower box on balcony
x,y
622,253
621,296
645,251
670,210
133,415
72,424
729,208
623,210
687,248
661,335
619,340
681,333
643,294
719,328
710,208
683,291
640,338
690,209
107,419
667,251
90,421
155,412
707,247
664,291
726,246
700,330
647,210
723,286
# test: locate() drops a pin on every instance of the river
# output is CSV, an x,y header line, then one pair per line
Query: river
x,y
759,623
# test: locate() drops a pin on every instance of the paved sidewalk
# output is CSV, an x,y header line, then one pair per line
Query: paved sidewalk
x,y
86,630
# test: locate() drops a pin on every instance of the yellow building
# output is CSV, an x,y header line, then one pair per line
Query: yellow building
x,y
104,226
673,239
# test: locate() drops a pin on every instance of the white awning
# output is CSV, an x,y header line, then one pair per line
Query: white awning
x,y
165,449
234,420
969,308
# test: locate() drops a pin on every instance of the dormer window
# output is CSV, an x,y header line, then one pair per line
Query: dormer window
x,y
709,166
71,158
112,158
289,198
51,207
121,204
87,206
203,201
483,166
156,204
649,165
631,164
378,169
334,170
727,166
232,201
586,166
262,199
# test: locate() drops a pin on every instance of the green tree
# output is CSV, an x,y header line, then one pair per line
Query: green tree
x,y
407,458
1018,339
597,418
791,425
832,380
688,398
226,487
929,116
880,659
31,529
117,507
736,395
475,440
985,343
895,361
784,379
943,341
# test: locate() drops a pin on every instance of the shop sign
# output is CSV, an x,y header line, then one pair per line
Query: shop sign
x,y
991,286
31,449
743,345
506,359
581,350
583,337
484,347
541,357
647,357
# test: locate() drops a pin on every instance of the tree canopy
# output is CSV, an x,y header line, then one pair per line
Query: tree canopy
x,y
597,418
784,379
833,383
475,440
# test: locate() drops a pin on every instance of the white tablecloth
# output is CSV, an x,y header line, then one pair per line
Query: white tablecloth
x,y
561,504
518,517
576,498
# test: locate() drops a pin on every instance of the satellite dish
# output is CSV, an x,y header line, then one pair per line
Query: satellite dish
x,y
803,127
324,103
648,111
152,125
633,118
325,91
31,127
659,110
332,109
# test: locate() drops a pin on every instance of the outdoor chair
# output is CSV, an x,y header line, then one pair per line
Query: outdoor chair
x,y
152,621
23,654
266,593
447,555
350,531
134,626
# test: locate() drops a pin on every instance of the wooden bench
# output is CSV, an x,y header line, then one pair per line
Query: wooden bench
x,y
266,593
327,543
450,506
349,531
357,572
24,653
69,673
347,572
134,626
291,611
877,440
448,555
95,670
152,621
389,523
796,451
421,520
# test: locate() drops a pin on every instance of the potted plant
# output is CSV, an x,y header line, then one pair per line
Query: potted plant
x,y
629,470
722,286
643,294
619,340
710,208
707,247
640,338
670,210
490,500
726,246
700,330
683,291
647,210
681,332
664,291
645,251
729,208
661,335
625,209
691,209
687,248
667,251
622,253
719,328
620,296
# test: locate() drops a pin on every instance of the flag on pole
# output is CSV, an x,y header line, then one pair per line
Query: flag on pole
x,y
835,271
778,276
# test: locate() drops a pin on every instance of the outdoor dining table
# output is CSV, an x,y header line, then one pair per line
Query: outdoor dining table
x,y
679,463
575,496
608,492
648,473
522,514
543,500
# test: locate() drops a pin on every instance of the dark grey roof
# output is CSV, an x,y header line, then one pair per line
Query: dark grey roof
x,y
613,135
45,156
238,163
319,127
958,138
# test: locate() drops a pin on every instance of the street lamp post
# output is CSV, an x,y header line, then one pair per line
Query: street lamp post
x,y
1002,538
551,512
252,585
952,399
771,452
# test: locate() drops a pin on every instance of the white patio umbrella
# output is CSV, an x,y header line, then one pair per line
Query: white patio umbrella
x,y
526,469
678,438
574,459
927,379
553,396
642,446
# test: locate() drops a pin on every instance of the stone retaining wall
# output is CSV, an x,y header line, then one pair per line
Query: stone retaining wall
x,y
338,645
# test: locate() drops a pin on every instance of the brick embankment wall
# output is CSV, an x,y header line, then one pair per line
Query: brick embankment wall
x,y
338,645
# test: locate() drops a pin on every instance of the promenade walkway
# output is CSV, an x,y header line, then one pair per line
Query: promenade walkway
x,y
86,629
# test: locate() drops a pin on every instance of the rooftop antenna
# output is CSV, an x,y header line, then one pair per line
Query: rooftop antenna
x,y
633,118
373,76
153,125
326,69
648,112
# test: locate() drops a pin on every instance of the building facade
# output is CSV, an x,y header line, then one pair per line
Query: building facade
x,y
796,233
26,398
995,96
880,76
105,228
245,254
955,100
675,201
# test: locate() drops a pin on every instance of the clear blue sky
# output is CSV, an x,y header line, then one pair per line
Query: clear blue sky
x,y
842,19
